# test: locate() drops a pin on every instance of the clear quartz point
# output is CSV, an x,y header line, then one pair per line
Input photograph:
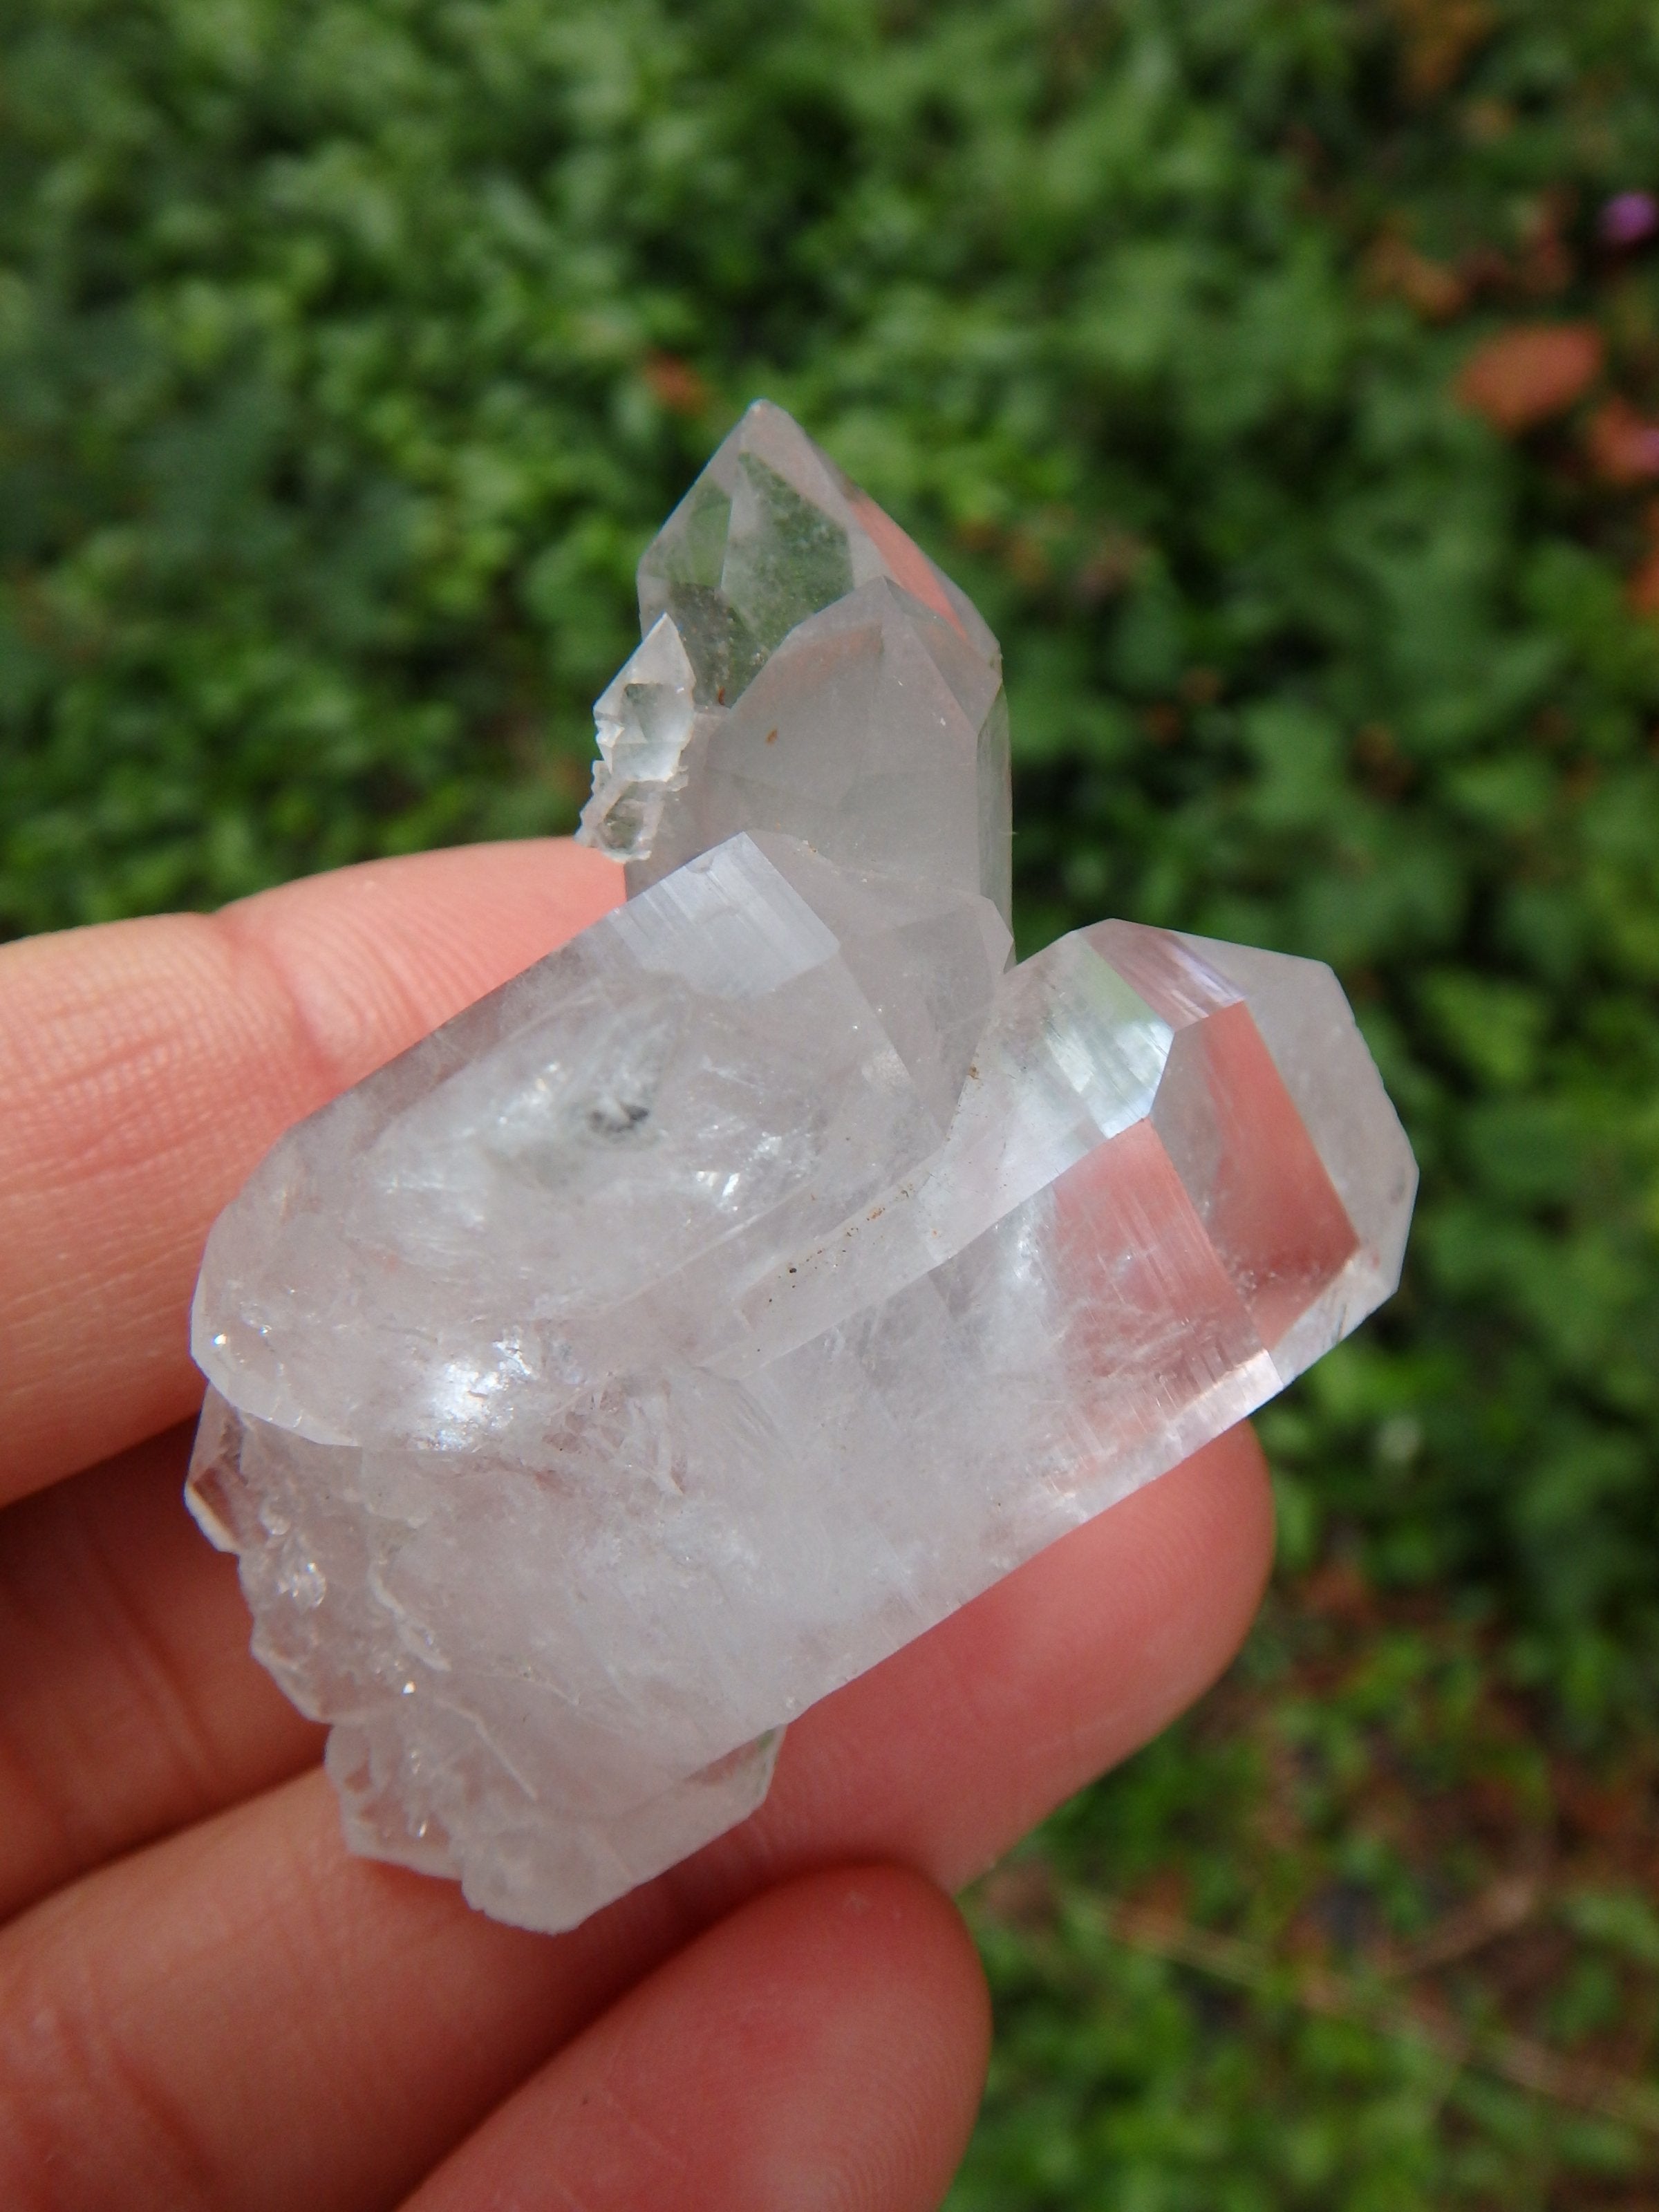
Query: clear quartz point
x,y
841,687
685,1327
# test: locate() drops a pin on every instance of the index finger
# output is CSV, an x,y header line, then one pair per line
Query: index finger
x,y
146,1067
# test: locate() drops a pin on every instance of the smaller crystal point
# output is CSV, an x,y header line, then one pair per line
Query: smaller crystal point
x,y
771,533
845,691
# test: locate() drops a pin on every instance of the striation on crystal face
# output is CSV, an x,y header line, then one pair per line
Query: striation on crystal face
x,y
691,1324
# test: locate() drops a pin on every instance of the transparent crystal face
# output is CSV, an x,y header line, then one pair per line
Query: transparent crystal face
x,y
688,1325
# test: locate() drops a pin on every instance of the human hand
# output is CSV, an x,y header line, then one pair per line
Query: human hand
x,y
204,2001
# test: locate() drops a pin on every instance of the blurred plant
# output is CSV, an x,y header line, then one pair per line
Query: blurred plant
x,y
1351,1937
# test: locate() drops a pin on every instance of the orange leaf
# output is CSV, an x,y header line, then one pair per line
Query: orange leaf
x,y
1524,376
1437,38
1436,292
675,384
1643,589
1623,449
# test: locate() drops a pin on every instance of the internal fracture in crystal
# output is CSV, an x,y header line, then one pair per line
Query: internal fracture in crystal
x,y
691,1324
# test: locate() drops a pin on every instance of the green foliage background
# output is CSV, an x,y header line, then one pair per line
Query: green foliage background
x,y
348,353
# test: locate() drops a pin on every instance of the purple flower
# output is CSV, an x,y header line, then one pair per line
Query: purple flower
x,y
1630,217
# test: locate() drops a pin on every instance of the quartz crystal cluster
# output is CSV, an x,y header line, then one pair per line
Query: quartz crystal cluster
x,y
686,1326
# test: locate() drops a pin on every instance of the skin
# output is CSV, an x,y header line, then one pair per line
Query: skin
x,y
204,2002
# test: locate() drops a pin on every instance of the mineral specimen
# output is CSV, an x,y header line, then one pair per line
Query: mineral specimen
x,y
683,1328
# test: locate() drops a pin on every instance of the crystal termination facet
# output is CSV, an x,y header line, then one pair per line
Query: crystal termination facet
x,y
688,1325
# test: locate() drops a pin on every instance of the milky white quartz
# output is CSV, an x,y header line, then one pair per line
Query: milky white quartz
x,y
685,1327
